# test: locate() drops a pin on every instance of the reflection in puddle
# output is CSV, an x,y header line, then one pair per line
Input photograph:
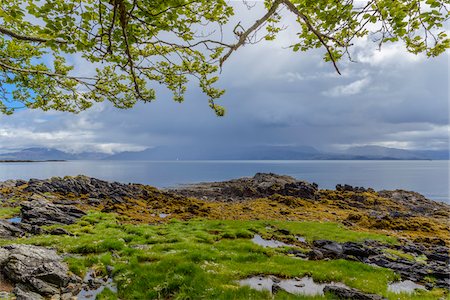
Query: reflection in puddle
x,y
406,286
15,220
90,294
257,239
305,285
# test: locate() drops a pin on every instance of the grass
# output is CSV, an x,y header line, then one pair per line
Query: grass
x,y
331,231
203,259
9,212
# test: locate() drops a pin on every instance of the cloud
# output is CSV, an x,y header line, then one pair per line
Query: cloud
x,y
273,96
352,88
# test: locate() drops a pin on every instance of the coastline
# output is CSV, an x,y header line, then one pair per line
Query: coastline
x,y
221,237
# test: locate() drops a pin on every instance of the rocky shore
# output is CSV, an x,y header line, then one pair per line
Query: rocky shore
x,y
49,207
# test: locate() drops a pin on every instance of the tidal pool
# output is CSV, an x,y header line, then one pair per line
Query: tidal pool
x,y
257,239
405,286
304,286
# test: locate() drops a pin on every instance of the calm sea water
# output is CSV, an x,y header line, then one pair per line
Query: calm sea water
x,y
430,178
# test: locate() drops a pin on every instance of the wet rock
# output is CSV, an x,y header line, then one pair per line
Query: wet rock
x,y
37,269
353,294
43,213
8,230
276,288
357,250
329,249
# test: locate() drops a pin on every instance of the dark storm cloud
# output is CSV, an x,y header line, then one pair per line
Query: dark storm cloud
x,y
274,96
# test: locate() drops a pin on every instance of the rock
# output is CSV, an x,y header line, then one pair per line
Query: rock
x,y
347,293
45,213
8,230
83,185
22,293
37,269
259,186
276,288
349,188
438,257
59,231
283,231
315,255
414,202
357,250
329,249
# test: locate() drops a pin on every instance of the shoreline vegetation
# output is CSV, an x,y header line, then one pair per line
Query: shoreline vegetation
x,y
263,237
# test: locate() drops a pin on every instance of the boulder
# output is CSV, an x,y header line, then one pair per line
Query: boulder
x,y
329,249
9,230
45,213
347,293
357,250
38,270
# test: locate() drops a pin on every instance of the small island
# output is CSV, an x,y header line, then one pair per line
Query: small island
x,y
262,237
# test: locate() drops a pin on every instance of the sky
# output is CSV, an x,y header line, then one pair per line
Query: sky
x,y
273,97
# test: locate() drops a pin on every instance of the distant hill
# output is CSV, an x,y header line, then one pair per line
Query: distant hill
x,y
378,152
280,153
242,153
49,154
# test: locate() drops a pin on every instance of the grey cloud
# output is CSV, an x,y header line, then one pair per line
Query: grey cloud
x,y
274,96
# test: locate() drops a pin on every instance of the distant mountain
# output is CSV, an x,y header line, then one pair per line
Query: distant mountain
x,y
49,154
242,153
279,153
378,152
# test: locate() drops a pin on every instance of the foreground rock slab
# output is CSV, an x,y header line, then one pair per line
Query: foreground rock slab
x,y
37,271
41,213
347,293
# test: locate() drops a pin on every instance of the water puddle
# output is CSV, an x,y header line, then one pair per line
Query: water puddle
x,y
304,286
300,239
99,285
15,220
257,239
406,286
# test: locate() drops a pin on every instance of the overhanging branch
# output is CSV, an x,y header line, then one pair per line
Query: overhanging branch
x,y
28,38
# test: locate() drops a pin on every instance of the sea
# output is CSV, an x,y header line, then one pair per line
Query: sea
x,y
430,178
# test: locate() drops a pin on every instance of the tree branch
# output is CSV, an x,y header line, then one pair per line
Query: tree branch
x,y
243,36
319,35
28,38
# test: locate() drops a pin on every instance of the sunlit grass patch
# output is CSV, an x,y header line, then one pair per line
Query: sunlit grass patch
x,y
204,259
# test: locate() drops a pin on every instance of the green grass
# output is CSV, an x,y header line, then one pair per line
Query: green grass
x,y
330,231
9,212
203,259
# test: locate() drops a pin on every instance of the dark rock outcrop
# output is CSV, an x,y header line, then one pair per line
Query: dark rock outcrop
x,y
42,213
8,230
347,293
37,270
83,185
329,249
259,186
